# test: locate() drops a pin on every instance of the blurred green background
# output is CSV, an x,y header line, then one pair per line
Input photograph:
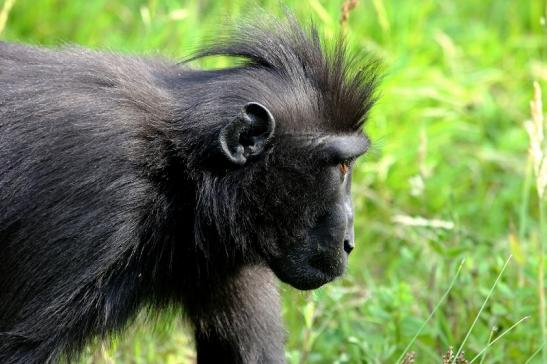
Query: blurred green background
x,y
449,179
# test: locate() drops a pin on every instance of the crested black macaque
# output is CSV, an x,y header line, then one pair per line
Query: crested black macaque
x,y
129,183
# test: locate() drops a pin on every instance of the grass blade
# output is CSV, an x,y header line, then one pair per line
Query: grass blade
x,y
6,8
494,329
499,337
432,312
481,309
534,354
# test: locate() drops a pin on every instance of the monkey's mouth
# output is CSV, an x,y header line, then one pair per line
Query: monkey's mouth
x,y
311,273
318,277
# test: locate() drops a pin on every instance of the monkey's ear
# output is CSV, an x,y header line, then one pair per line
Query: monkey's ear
x,y
247,134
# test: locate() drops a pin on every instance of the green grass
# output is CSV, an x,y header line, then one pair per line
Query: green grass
x,y
449,145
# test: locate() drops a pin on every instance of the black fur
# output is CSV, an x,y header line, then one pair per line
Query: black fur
x,y
115,194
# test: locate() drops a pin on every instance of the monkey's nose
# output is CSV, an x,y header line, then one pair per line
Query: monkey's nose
x,y
349,244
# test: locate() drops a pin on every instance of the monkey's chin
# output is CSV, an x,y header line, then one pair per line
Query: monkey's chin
x,y
306,276
312,281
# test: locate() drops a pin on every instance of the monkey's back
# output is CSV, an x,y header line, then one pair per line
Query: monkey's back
x,y
72,197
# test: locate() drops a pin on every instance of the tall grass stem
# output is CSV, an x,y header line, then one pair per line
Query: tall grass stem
x,y
4,13
488,344
432,312
481,309
498,338
541,279
534,354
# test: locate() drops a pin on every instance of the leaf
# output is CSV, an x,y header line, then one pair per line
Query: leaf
x,y
516,249
308,312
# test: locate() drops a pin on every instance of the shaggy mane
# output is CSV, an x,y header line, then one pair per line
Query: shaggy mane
x,y
343,85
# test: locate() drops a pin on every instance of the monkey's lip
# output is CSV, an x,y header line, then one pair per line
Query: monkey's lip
x,y
321,275
306,273
328,267
312,276
314,279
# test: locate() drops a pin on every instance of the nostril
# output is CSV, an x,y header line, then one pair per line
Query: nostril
x,y
348,246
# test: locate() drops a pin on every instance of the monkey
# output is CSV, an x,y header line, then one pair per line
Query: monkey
x,y
131,182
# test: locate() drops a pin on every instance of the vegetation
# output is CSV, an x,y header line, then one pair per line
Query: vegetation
x,y
453,187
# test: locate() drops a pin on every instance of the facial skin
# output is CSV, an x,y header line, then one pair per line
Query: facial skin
x,y
306,183
321,253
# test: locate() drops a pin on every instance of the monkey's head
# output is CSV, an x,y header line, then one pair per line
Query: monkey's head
x,y
289,130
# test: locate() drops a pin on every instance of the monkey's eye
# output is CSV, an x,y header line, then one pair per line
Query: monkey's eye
x,y
345,166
